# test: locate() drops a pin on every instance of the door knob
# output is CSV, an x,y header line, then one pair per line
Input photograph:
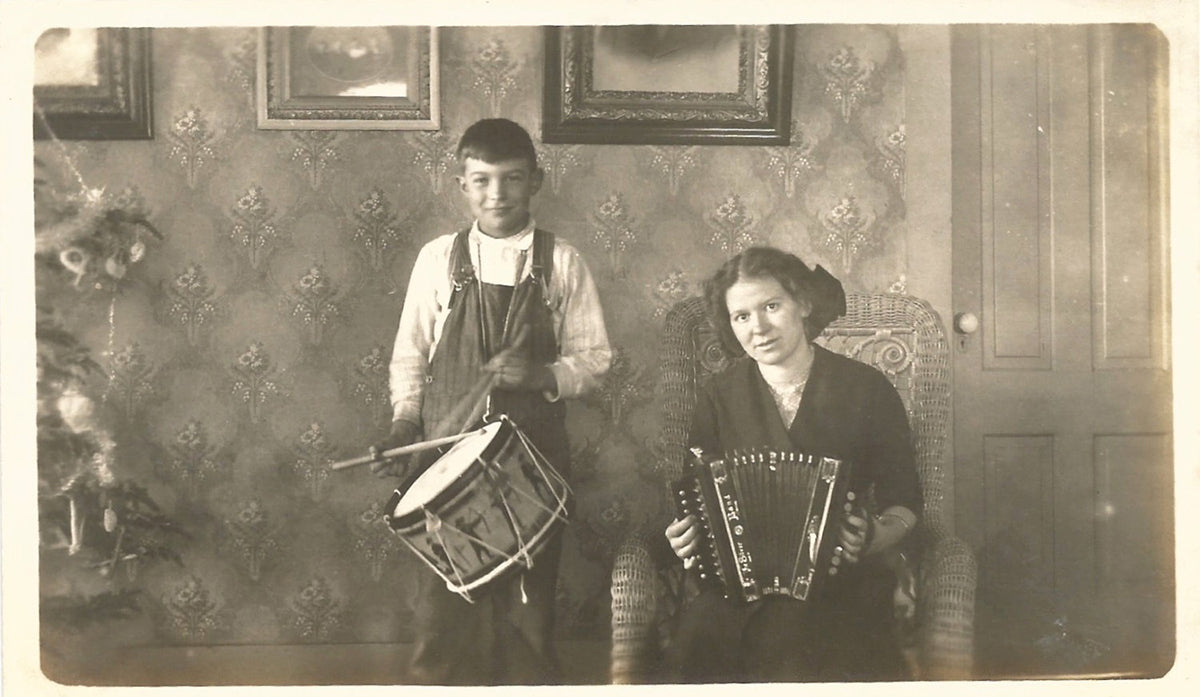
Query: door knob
x,y
966,323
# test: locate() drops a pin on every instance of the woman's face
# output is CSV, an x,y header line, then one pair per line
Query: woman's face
x,y
767,321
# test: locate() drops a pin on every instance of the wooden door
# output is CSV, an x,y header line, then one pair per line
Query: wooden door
x,y
1062,405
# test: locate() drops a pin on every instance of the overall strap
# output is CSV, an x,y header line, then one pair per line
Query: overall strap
x,y
462,271
543,258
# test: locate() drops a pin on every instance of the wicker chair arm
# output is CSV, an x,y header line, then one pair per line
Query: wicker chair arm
x,y
634,611
949,575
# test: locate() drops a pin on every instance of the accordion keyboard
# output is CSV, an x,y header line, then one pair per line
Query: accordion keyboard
x,y
768,520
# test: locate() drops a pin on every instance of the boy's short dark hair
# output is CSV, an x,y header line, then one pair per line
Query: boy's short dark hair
x,y
496,140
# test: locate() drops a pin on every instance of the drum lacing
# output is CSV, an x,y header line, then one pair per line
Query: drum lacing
x,y
537,461
434,524
523,550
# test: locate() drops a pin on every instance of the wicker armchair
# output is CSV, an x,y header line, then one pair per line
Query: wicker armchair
x,y
903,337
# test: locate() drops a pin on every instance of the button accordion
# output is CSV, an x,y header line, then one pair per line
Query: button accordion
x,y
769,520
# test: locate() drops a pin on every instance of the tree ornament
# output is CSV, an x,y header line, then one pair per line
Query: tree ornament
x,y
114,268
136,251
76,527
78,411
75,260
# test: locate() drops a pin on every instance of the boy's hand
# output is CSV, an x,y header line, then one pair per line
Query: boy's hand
x,y
683,536
403,433
514,372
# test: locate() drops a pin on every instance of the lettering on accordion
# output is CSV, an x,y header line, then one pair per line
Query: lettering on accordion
x,y
768,520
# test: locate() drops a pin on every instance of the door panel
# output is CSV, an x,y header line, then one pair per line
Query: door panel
x,y
1128,205
1063,472
1019,479
1016,234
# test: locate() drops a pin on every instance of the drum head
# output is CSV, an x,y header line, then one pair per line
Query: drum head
x,y
446,470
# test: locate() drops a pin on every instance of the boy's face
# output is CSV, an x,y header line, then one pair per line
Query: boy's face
x,y
499,193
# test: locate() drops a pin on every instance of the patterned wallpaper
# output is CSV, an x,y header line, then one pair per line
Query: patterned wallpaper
x,y
251,348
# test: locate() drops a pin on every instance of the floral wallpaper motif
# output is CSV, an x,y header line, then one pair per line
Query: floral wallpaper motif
x,y
252,384
254,230
252,349
131,381
191,463
318,611
191,144
192,306
253,536
315,151
193,614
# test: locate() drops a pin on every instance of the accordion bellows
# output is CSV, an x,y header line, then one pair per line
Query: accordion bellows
x,y
769,520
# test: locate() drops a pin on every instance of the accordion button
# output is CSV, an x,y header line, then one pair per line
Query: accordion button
x,y
833,571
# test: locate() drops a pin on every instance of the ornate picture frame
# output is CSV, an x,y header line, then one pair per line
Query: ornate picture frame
x,y
93,84
348,78
668,84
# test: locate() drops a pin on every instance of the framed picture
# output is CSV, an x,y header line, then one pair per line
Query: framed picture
x,y
354,78
92,84
668,84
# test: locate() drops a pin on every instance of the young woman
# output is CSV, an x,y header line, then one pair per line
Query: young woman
x,y
787,393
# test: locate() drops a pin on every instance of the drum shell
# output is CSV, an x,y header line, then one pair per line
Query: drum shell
x,y
509,500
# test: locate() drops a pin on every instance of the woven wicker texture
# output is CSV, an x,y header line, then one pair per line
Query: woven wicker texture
x,y
902,337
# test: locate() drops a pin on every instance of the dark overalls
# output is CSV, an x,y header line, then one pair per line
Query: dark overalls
x,y
505,636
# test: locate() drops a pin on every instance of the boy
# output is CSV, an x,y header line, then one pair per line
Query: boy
x,y
507,299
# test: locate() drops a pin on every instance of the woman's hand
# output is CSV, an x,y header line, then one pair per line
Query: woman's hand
x,y
683,535
854,537
863,535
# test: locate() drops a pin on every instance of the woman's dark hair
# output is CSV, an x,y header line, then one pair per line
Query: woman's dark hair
x,y
496,140
815,286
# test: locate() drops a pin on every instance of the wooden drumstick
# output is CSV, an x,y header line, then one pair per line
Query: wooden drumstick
x,y
471,407
454,426
475,401
468,410
403,450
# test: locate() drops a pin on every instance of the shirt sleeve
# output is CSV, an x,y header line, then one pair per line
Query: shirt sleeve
x,y
414,337
702,431
892,450
584,354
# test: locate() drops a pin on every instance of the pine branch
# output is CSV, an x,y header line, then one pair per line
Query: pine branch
x,y
79,611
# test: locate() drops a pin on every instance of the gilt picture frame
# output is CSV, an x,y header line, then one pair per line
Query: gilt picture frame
x,y
93,84
668,84
348,78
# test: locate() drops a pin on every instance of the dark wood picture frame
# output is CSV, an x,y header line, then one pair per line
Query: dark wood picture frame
x,y
279,109
757,112
117,107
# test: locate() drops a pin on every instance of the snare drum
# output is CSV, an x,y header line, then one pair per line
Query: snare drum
x,y
486,507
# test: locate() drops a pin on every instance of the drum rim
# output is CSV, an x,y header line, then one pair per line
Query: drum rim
x,y
456,485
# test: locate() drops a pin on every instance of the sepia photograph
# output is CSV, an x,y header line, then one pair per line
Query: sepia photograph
x,y
666,58
667,85
93,83
367,349
341,78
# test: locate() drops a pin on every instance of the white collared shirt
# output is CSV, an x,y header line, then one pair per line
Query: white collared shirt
x,y
584,352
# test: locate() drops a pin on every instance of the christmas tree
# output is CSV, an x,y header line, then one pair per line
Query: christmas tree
x,y
92,521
